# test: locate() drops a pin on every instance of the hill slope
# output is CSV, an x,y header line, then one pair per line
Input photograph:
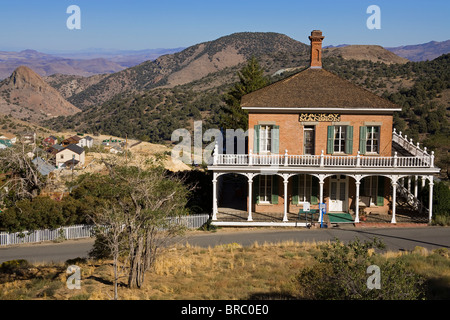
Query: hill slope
x,y
422,52
25,95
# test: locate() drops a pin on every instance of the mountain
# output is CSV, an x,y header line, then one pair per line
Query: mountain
x,y
422,52
192,64
25,95
124,58
364,52
46,64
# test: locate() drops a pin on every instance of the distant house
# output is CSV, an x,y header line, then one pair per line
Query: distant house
x,y
86,142
69,153
8,136
71,140
54,149
5,143
28,137
42,166
49,141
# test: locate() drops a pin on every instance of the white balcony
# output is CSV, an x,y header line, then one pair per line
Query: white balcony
x,y
424,161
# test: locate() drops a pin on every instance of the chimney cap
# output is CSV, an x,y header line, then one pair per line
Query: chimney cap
x,y
316,34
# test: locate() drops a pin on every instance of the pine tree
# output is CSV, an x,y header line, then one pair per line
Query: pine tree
x,y
251,78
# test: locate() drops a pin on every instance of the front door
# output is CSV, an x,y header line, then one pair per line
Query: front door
x,y
338,193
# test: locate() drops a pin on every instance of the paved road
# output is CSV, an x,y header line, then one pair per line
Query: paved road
x,y
394,238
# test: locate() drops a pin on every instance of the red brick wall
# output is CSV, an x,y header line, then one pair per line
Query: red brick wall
x,y
291,131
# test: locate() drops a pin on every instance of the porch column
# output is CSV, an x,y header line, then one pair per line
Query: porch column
x,y
321,182
416,186
286,200
214,215
430,209
250,184
394,198
357,183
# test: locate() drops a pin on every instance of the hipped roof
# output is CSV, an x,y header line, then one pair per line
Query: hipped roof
x,y
315,88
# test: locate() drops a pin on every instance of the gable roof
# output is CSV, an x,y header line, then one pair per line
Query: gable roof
x,y
73,148
315,89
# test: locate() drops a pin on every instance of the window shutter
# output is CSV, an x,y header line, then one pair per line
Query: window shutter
x,y
255,190
295,189
314,190
362,140
256,139
275,139
380,191
330,140
349,140
275,189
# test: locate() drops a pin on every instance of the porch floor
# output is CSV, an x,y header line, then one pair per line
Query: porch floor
x,y
235,215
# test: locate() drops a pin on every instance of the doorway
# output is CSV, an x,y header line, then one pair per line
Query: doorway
x,y
338,193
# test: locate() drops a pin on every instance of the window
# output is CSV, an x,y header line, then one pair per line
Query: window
x,y
339,139
304,187
309,139
372,140
265,139
265,189
373,187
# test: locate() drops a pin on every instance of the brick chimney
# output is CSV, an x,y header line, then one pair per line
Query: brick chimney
x,y
316,48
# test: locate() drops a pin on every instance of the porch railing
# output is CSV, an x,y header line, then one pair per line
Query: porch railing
x,y
423,161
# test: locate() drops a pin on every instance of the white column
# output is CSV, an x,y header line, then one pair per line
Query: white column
x,y
430,209
357,183
416,186
321,182
394,199
214,215
286,200
250,183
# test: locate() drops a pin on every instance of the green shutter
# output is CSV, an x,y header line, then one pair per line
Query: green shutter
x,y
314,190
275,189
380,191
362,140
330,140
256,139
295,189
255,190
275,139
349,140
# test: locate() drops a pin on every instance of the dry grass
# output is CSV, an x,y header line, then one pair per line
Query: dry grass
x,y
228,272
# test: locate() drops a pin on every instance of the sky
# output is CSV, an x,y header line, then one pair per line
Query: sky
x,y
147,24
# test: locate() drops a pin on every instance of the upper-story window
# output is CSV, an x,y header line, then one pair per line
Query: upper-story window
x,y
372,144
265,139
308,140
369,140
339,139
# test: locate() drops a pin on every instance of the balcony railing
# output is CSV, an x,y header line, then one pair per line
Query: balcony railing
x,y
322,160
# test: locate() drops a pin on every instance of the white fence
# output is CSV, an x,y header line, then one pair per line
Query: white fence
x,y
81,231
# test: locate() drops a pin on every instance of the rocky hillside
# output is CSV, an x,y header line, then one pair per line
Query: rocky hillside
x,y
46,64
25,95
365,52
421,52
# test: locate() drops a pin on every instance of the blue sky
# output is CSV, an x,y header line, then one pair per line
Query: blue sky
x,y
139,24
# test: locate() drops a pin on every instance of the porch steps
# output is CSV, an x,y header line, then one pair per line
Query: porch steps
x,y
340,217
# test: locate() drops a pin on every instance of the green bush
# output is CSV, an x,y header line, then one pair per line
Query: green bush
x,y
341,274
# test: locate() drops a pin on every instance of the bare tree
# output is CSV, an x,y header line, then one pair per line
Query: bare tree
x,y
23,180
142,200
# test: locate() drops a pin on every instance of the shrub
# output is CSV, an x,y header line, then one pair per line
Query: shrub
x,y
341,274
